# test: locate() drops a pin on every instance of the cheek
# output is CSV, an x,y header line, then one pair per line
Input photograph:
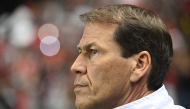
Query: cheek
x,y
105,75
101,71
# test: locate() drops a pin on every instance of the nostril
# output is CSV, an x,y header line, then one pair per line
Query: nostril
x,y
79,69
78,72
76,69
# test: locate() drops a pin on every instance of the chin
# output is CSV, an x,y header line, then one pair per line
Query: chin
x,y
84,104
81,102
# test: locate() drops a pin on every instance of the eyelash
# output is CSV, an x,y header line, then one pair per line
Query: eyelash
x,y
93,51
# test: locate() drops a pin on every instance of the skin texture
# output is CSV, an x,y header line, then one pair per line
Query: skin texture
x,y
104,79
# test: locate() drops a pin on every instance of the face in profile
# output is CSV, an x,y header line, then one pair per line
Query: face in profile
x,y
102,74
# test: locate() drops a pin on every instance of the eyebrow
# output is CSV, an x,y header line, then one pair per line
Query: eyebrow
x,y
87,46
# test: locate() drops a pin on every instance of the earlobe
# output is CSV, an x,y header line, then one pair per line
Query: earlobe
x,y
141,67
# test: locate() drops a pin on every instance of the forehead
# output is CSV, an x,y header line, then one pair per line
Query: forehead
x,y
98,33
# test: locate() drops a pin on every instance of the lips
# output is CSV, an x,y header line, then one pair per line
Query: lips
x,y
79,86
79,83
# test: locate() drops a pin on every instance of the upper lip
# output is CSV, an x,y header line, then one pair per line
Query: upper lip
x,y
79,85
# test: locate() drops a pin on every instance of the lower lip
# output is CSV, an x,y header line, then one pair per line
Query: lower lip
x,y
79,87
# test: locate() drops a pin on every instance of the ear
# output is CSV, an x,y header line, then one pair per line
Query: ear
x,y
141,67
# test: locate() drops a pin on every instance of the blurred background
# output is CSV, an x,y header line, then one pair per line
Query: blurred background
x,y
30,79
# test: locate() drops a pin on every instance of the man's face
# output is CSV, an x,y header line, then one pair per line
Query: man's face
x,y
102,74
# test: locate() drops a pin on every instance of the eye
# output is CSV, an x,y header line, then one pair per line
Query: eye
x,y
93,51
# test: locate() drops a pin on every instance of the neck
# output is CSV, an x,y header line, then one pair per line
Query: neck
x,y
137,91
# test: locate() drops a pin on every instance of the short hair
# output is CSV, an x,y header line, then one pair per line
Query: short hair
x,y
138,30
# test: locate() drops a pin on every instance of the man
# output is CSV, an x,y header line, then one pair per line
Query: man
x,y
124,55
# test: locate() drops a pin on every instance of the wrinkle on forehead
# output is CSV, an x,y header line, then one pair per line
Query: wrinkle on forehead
x,y
99,29
101,35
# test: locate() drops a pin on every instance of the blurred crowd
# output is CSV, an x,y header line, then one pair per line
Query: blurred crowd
x,y
31,80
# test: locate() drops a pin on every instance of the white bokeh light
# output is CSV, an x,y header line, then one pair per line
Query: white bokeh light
x,y
49,40
22,34
48,30
49,45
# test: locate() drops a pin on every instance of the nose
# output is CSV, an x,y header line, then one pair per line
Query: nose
x,y
79,66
